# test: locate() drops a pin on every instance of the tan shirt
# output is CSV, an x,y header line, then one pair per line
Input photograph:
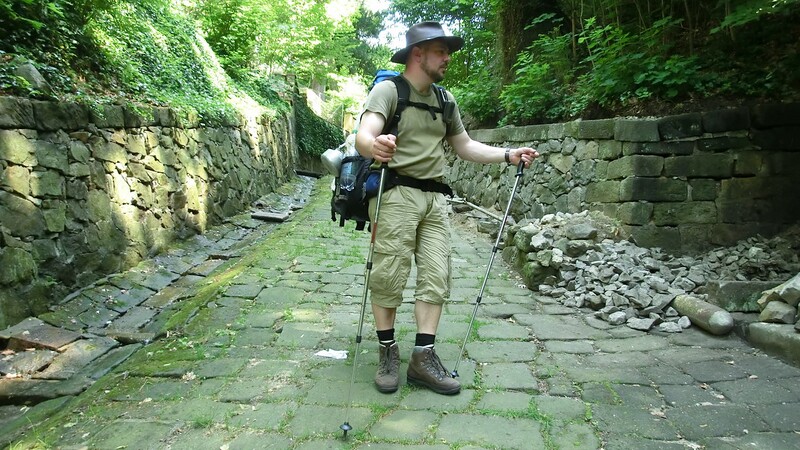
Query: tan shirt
x,y
420,147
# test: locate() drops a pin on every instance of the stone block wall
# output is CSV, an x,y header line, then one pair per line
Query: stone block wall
x,y
85,193
684,183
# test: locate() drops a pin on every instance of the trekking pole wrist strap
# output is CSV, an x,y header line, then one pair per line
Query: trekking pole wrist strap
x,y
508,155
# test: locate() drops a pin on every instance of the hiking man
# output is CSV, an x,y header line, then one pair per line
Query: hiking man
x,y
413,216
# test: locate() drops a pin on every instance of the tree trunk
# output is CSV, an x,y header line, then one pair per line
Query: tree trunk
x,y
513,18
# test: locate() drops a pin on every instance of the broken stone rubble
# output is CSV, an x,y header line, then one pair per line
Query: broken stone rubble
x,y
780,304
585,260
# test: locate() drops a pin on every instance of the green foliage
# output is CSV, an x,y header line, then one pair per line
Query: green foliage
x,y
478,96
314,135
752,10
578,56
622,65
306,38
539,89
615,54
270,90
159,59
44,32
143,52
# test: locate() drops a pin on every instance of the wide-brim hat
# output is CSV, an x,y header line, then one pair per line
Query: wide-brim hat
x,y
426,31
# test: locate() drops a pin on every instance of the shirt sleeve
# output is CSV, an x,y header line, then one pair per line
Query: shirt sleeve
x,y
456,126
382,99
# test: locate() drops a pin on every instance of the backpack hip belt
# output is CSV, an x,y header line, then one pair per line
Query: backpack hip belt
x,y
395,179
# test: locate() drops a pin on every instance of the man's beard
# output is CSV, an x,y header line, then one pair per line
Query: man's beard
x,y
435,75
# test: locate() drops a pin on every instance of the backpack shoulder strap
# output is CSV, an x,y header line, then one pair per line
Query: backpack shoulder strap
x,y
403,93
445,105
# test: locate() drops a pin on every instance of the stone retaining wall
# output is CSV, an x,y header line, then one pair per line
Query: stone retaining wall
x,y
683,183
85,193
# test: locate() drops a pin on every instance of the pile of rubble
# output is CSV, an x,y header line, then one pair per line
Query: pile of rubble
x,y
584,260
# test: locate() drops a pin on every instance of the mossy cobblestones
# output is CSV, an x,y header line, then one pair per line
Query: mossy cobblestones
x,y
236,367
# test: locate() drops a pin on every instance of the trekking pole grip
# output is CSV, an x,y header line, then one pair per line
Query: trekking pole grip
x,y
520,167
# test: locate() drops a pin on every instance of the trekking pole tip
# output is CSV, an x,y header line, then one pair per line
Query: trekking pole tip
x,y
454,374
345,427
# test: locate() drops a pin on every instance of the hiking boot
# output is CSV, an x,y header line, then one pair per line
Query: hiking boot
x,y
426,369
388,377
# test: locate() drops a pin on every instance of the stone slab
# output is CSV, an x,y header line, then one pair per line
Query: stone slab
x,y
423,399
197,411
502,351
584,347
220,367
262,441
335,393
559,327
504,401
754,440
156,279
37,334
131,434
634,421
264,416
739,296
311,420
271,216
300,334
778,340
690,395
76,356
782,417
243,390
26,363
98,317
582,374
575,436
516,376
404,424
167,295
502,331
126,299
755,391
561,409
30,416
713,371
139,390
197,438
634,344
704,421
133,319
494,431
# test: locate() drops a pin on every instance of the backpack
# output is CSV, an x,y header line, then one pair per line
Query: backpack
x,y
351,196
382,75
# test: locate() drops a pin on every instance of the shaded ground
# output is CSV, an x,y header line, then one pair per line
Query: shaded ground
x,y
236,367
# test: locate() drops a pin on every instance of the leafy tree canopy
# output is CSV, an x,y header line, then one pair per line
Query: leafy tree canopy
x,y
525,61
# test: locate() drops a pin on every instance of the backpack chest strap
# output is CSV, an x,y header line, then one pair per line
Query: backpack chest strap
x,y
430,108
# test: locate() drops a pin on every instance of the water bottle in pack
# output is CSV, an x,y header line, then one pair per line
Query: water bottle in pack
x,y
349,170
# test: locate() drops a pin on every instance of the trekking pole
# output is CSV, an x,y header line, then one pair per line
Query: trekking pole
x,y
345,427
520,167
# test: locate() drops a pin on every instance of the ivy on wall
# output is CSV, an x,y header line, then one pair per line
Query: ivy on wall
x,y
314,134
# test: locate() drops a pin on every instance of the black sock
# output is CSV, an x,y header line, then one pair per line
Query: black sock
x,y
425,340
386,337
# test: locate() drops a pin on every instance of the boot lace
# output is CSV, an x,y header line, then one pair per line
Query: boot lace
x,y
434,366
388,364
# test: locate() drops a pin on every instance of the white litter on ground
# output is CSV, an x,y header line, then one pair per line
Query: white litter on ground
x,y
335,354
